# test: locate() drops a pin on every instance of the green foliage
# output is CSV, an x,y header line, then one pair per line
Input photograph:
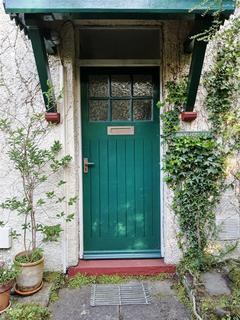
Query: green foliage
x,y
182,294
194,167
176,93
57,280
36,164
7,273
228,303
214,8
234,274
27,312
28,257
50,95
222,83
81,280
51,233
174,101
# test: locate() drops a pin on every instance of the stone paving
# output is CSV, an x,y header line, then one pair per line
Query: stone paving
x,y
215,284
74,304
41,297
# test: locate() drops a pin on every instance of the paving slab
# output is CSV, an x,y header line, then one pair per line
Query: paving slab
x,y
165,305
74,304
41,297
215,284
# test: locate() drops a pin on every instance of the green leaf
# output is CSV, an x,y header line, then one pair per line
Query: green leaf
x,y
61,183
72,200
70,217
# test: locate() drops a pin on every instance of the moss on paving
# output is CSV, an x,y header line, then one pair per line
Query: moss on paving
x,y
81,280
182,294
229,303
58,281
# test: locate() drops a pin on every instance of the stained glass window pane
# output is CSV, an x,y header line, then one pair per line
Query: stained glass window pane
x,y
142,109
98,110
121,85
142,85
121,110
98,86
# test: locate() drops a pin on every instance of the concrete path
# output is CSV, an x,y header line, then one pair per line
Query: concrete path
x,y
74,304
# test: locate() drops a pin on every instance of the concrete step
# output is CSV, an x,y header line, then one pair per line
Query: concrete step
x,y
135,267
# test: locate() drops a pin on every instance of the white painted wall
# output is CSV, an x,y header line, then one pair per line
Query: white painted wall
x,y
20,95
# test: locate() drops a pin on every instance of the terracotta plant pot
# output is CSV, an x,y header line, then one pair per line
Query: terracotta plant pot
x,y
31,275
5,295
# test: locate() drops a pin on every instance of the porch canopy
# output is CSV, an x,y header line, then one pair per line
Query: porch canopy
x,y
35,16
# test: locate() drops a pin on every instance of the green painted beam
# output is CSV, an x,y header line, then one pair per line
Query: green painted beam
x,y
41,60
142,6
123,15
198,54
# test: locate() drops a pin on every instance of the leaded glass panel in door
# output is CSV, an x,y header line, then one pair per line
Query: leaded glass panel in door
x,y
124,97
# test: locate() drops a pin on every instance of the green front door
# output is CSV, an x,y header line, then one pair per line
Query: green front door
x,y
120,130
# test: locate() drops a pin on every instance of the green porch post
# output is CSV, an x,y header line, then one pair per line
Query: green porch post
x,y
41,60
202,24
199,49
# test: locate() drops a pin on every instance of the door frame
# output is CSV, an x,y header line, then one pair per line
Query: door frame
x,y
120,63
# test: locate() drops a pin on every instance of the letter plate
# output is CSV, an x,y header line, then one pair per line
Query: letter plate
x,y
120,130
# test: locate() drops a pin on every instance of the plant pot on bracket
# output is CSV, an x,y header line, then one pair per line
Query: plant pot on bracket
x,y
30,277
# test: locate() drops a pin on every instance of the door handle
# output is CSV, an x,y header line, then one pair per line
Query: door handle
x,y
86,164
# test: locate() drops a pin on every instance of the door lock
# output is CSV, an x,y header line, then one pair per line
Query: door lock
x,y
86,164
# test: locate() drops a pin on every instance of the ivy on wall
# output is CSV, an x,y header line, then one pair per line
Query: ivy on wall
x,y
176,97
194,167
195,172
222,83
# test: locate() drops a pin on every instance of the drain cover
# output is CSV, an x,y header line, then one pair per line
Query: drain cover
x,y
117,295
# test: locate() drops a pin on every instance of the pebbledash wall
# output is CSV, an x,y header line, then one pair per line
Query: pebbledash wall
x,y
19,80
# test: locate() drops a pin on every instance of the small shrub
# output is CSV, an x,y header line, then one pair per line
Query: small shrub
x,y
28,312
7,273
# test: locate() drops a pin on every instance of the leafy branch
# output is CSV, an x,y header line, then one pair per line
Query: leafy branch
x,y
36,164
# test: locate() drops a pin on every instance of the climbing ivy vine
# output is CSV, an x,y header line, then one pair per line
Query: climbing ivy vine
x,y
222,83
195,172
173,105
194,167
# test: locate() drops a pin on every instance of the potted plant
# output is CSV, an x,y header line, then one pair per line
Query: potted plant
x,y
8,275
36,165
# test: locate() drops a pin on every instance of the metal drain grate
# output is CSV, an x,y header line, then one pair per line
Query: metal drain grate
x,y
117,295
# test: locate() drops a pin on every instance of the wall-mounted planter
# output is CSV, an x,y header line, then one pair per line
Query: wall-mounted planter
x,y
53,117
188,116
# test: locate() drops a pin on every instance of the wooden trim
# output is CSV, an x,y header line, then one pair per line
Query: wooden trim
x,y
118,63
